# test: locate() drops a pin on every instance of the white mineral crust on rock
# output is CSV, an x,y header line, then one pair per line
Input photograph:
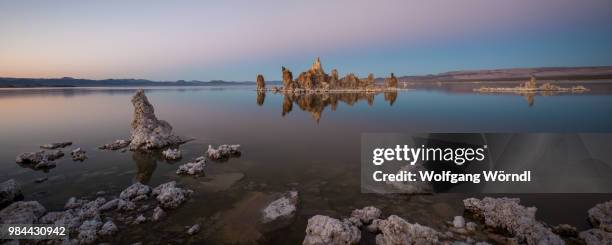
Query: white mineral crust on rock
x,y
169,196
395,230
192,168
323,230
222,152
172,154
148,132
283,207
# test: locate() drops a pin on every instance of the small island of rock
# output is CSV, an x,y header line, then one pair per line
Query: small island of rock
x,y
531,87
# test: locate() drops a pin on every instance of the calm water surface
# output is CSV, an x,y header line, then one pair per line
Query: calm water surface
x,y
288,143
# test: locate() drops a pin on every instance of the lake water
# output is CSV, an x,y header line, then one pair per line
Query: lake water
x,y
309,144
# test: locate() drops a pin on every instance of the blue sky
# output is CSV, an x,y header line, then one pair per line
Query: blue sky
x,y
235,40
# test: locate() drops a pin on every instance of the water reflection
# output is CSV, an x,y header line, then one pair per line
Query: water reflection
x,y
315,103
145,165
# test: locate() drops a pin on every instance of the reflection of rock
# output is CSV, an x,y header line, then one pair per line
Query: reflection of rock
x,y
193,168
220,182
145,166
508,215
315,103
261,97
172,154
240,224
282,208
56,145
223,152
395,230
78,155
9,192
22,213
601,216
261,83
147,131
118,144
326,230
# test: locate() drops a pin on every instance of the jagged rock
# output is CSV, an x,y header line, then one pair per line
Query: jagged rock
x,y
323,230
596,237
118,144
283,207
73,202
56,145
261,83
22,212
110,205
395,230
391,82
459,222
193,229
68,219
507,214
88,231
600,216
124,205
169,196
147,131
287,79
192,168
108,229
172,154
54,155
158,213
140,219
90,209
136,192
78,154
9,192
222,152
565,230
367,215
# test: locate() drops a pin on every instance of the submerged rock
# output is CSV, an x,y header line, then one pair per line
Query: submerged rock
x,y
172,154
508,215
395,230
283,207
118,144
73,202
78,155
140,219
367,215
136,192
600,216
323,230
158,213
596,237
193,229
169,196
192,168
9,192
148,132
565,230
56,145
222,152
22,212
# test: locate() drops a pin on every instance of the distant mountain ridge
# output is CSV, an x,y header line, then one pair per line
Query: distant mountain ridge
x,y
6,82
561,73
511,74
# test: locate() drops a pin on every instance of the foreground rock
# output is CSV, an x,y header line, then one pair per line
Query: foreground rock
x,y
172,154
326,230
22,213
56,145
596,237
192,168
395,230
78,154
506,214
600,216
118,144
169,196
39,159
283,207
9,192
148,132
367,215
136,192
223,152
